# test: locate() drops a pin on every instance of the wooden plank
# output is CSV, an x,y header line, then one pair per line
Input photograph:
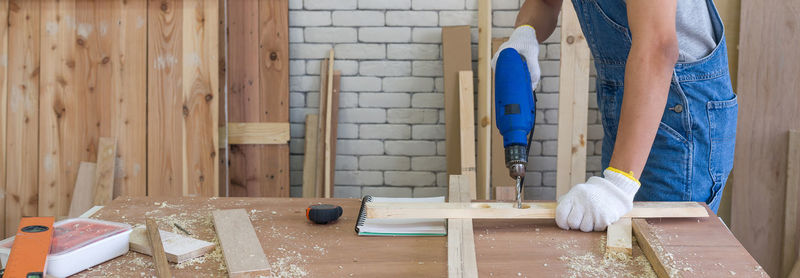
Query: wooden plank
x,y
651,246
83,191
337,76
22,117
224,152
457,56
536,210
244,256
467,128
501,180
573,103
178,248
310,156
761,141
319,187
157,249
257,133
183,116
104,175
328,104
461,258
790,227
3,106
618,237
484,100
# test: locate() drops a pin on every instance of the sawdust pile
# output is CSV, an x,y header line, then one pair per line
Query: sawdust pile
x,y
594,263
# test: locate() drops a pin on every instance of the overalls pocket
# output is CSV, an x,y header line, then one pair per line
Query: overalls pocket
x,y
722,129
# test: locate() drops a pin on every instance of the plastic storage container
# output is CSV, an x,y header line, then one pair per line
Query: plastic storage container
x,y
78,244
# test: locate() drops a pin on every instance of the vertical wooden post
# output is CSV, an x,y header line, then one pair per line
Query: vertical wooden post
x,y
573,102
484,98
3,103
466,119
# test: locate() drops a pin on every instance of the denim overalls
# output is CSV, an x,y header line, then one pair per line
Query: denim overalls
x,y
693,150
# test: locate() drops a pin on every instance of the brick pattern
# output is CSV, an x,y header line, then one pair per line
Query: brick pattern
x,y
391,115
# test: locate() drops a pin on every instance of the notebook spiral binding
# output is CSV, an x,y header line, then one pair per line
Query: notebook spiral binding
x,y
362,214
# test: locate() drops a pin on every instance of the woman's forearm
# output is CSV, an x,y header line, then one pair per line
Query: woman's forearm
x,y
541,14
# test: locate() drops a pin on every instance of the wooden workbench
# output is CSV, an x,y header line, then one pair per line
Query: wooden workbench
x,y
505,248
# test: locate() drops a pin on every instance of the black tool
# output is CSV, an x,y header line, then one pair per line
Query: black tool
x,y
323,213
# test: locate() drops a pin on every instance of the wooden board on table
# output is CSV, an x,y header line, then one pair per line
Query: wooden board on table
x,y
157,249
259,92
573,103
461,258
104,172
244,256
467,129
500,180
93,84
182,127
310,156
22,132
256,133
83,192
178,248
619,236
456,56
3,106
536,210
764,106
484,99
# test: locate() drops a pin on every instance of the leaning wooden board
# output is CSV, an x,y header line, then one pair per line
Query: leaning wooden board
x,y
703,247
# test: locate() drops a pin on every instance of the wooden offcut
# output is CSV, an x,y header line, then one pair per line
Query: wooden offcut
x,y
790,227
536,210
157,249
767,108
467,128
256,133
456,56
243,253
104,173
619,237
573,103
83,193
500,178
649,242
483,126
310,156
178,248
461,258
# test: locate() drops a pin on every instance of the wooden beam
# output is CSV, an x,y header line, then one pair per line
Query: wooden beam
x,y
790,242
328,105
573,103
457,56
649,243
467,128
104,175
618,237
310,156
255,133
243,253
535,210
178,248
157,248
3,108
83,193
461,258
484,99
501,180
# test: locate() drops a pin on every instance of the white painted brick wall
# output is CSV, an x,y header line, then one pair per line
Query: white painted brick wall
x,y
391,115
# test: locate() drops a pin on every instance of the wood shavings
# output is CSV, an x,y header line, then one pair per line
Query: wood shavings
x,y
594,263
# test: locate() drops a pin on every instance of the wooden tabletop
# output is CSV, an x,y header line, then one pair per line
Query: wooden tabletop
x,y
295,247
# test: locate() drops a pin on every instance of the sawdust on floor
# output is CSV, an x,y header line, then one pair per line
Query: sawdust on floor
x,y
595,263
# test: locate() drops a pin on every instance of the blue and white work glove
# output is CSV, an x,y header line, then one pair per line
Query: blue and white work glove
x,y
593,205
524,41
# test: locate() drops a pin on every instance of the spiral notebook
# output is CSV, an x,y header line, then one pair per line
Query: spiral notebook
x,y
399,227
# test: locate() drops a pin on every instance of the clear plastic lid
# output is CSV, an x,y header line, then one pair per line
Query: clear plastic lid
x,y
72,234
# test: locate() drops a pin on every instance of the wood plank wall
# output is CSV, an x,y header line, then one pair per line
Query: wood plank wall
x,y
145,72
769,97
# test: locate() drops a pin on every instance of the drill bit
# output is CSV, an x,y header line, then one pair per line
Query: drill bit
x,y
519,192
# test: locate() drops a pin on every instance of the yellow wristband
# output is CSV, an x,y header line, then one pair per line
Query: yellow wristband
x,y
629,174
526,25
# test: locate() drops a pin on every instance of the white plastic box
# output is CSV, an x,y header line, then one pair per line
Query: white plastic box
x,y
78,244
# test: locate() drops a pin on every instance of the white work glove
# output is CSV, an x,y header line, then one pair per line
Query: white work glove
x,y
523,39
593,205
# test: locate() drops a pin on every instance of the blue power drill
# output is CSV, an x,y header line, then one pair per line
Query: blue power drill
x,y
515,105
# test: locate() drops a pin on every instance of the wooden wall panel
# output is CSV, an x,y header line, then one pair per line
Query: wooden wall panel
x,y
3,101
769,94
22,115
258,92
182,102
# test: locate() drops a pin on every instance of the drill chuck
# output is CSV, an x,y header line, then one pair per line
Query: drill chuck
x,y
516,160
